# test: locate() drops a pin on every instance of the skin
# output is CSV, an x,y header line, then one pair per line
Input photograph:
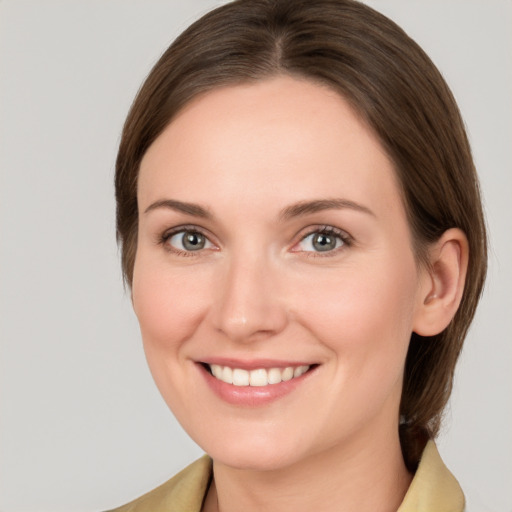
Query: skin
x,y
258,289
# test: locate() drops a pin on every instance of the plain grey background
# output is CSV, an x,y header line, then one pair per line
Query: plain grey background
x,y
82,425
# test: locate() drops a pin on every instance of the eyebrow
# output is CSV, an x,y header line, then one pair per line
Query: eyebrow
x,y
180,206
308,207
295,210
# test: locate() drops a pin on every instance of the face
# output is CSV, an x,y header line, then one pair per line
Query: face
x,y
274,280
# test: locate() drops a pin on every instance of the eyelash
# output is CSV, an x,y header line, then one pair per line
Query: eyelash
x,y
346,239
343,236
167,235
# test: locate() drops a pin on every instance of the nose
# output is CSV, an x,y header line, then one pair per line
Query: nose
x,y
248,305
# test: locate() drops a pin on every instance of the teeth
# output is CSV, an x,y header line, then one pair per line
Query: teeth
x,y
240,377
300,370
274,376
216,370
227,375
287,373
259,377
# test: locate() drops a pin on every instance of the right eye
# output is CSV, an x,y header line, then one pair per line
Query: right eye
x,y
187,240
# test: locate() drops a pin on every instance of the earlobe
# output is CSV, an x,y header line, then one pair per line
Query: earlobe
x,y
443,284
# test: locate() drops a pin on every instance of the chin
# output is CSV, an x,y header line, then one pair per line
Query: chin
x,y
254,459
256,453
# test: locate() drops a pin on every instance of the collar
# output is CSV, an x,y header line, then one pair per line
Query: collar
x,y
433,489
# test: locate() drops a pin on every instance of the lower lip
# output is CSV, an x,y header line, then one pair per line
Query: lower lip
x,y
252,396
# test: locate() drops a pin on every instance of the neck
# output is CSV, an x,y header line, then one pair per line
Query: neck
x,y
363,475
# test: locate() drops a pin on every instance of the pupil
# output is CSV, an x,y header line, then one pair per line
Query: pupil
x,y
323,242
193,241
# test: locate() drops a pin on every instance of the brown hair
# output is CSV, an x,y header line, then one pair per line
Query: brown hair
x,y
396,90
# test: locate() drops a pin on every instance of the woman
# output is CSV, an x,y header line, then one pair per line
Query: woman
x,y
302,233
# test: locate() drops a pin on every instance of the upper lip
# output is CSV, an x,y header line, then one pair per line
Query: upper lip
x,y
254,364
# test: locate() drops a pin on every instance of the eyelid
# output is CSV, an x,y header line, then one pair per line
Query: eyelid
x,y
345,237
164,237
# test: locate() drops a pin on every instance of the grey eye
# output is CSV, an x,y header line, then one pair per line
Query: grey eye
x,y
324,242
189,241
193,241
321,242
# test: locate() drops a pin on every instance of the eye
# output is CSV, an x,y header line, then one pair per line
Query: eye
x,y
187,240
323,240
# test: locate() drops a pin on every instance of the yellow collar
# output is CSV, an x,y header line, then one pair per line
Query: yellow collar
x,y
433,489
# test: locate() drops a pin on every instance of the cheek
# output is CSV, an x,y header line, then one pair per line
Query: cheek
x,y
364,317
364,314
168,305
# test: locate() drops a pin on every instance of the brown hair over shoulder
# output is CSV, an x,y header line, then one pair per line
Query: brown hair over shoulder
x,y
396,90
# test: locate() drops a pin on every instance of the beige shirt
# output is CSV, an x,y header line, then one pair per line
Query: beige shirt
x,y
433,489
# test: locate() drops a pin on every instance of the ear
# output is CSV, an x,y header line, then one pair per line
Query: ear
x,y
443,283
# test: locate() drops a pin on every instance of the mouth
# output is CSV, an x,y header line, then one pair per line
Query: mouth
x,y
259,377
255,383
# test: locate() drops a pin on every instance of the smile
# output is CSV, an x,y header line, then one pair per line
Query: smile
x,y
257,378
255,383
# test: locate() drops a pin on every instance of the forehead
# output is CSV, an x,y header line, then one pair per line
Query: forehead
x,y
278,139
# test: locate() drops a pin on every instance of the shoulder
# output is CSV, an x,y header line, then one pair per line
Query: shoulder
x,y
433,486
185,491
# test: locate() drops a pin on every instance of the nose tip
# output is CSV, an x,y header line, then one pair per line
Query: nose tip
x,y
247,328
249,306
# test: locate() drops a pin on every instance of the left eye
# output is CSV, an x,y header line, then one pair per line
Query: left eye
x,y
188,240
320,241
